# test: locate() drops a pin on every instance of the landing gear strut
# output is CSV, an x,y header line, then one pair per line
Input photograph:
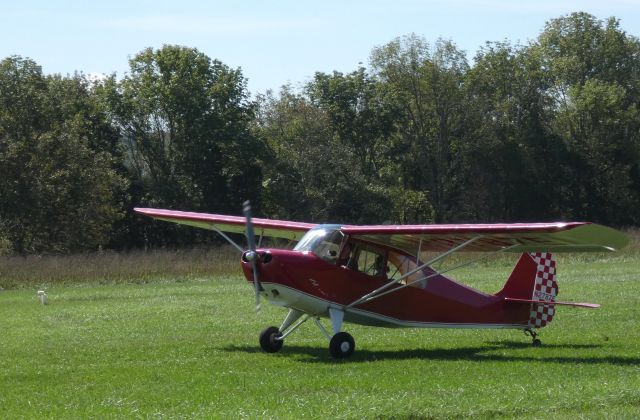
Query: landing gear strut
x,y
272,338
535,342
341,344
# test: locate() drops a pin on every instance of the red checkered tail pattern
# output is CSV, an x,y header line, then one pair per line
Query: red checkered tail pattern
x,y
545,289
533,281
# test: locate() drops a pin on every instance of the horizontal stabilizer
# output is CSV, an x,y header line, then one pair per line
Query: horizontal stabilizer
x,y
542,302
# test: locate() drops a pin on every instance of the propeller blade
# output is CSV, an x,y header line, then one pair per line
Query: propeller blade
x,y
256,285
251,240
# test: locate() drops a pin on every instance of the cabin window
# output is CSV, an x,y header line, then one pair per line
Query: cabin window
x,y
403,264
365,259
325,243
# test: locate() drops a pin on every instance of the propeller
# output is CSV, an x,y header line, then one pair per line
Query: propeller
x,y
251,254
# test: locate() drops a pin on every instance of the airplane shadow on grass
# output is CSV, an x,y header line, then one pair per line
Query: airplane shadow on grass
x,y
482,353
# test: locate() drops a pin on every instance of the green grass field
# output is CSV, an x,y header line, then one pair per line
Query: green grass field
x,y
185,345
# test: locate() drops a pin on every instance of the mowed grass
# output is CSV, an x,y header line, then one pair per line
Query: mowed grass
x,y
187,347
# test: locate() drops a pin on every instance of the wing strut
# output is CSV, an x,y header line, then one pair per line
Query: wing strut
x,y
227,238
415,270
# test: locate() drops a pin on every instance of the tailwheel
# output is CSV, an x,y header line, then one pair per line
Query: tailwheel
x,y
535,342
342,345
270,340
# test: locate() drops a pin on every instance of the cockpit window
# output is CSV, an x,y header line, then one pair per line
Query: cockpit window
x,y
324,242
366,259
401,265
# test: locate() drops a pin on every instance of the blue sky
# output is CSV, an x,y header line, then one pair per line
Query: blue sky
x,y
274,42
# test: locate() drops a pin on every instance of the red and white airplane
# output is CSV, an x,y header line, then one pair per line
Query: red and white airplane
x,y
378,276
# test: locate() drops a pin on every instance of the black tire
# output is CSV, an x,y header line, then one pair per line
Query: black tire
x,y
342,345
536,343
268,341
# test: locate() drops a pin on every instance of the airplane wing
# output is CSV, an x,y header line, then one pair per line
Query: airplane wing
x,y
512,237
236,224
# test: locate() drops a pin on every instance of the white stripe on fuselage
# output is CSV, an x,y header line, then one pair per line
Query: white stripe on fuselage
x,y
313,305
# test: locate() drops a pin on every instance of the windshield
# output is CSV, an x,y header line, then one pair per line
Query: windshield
x,y
325,242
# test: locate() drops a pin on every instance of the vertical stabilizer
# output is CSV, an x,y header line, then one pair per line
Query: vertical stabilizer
x,y
534,278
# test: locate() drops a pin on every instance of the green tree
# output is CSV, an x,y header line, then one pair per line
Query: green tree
x,y
312,175
512,160
57,173
602,134
185,123
426,84
595,71
359,114
579,47
186,126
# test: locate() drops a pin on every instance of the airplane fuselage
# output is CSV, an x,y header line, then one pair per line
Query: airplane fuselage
x,y
303,281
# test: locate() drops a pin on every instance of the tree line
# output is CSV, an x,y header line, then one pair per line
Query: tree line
x,y
549,130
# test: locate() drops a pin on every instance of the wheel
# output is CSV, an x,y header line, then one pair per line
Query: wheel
x,y
342,345
536,342
268,340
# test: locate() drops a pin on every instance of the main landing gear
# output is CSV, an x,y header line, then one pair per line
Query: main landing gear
x,y
341,344
535,342
270,341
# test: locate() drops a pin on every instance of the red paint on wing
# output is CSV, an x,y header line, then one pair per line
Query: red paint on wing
x,y
224,219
